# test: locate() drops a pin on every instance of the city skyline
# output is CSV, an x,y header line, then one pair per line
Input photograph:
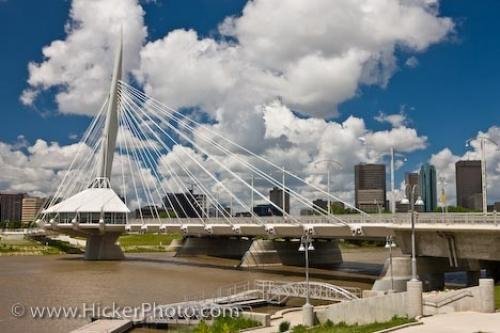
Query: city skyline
x,y
34,157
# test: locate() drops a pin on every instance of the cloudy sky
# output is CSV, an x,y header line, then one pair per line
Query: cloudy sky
x,y
297,81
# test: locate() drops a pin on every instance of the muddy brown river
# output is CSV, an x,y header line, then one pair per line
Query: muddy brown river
x,y
27,282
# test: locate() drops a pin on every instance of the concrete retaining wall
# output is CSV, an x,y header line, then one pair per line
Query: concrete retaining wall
x,y
263,318
477,299
366,310
411,304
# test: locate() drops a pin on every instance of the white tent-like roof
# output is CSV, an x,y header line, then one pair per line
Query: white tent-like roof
x,y
91,200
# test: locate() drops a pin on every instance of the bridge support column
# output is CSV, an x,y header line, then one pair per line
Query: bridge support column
x,y
103,247
429,270
414,299
401,274
264,252
221,247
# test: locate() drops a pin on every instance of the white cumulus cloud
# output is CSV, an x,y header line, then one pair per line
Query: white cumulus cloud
x,y
79,67
445,161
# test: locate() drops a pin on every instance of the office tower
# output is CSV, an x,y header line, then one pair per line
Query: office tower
x,y
11,206
428,187
266,210
30,208
321,205
306,212
276,197
187,204
150,212
469,184
370,193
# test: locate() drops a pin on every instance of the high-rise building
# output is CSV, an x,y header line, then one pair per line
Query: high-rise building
x,y
428,187
412,179
11,205
266,210
469,184
370,192
30,208
306,212
187,204
321,205
150,212
276,197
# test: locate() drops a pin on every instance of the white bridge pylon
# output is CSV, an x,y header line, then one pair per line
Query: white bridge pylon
x,y
168,167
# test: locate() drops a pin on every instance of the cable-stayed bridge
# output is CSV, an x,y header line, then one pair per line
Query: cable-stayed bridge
x,y
180,175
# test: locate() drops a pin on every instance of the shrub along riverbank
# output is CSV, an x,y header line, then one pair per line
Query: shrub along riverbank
x,y
219,325
329,327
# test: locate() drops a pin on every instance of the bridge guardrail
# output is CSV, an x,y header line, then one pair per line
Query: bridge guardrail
x,y
398,218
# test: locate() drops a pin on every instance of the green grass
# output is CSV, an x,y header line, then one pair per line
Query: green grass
x,y
146,242
219,325
31,247
497,297
329,327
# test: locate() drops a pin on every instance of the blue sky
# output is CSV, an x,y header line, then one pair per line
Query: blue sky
x,y
22,43
449,96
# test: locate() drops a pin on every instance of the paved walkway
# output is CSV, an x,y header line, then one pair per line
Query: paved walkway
x,y
458,322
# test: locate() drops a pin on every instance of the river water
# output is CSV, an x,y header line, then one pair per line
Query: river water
x,y
69,281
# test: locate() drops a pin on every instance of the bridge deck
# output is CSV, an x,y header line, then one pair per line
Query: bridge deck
x,y
321,227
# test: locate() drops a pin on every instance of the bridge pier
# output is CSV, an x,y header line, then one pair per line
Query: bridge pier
x,y
267,252
430,271
103,247
261,252
223,247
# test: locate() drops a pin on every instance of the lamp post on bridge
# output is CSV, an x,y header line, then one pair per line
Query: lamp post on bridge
x,y
414,286
251,194
389,244
329,163
412,203
483,140
307,309
443,199
283,193
391,153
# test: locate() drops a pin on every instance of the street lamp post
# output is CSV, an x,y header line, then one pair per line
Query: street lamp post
x,y
283,193
412,203
483,140
442,199
389,244
251,194
217,203
307,309
329,163
393,197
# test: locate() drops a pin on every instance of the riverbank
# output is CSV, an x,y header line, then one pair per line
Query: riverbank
x,y
19,244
